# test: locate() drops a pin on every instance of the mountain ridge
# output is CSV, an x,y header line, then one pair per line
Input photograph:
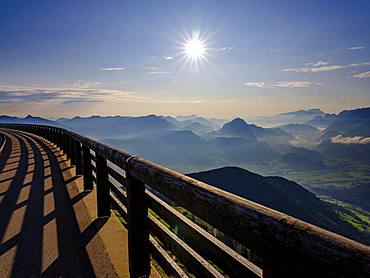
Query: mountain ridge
x,y
280,194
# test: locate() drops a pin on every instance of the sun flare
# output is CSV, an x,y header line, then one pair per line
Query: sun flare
x,y
195,48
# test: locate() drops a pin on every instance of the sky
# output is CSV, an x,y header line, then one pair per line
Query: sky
x,y
69,58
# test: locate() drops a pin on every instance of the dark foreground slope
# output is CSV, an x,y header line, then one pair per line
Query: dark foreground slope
x,y
282,195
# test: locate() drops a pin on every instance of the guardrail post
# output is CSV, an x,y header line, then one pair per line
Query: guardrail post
x,y
78,154
102,187
73,151
51,135
54,136
87,169
58,139
138,233
66,145
61,141
48,134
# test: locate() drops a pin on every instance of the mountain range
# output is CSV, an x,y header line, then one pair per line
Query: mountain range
x,y
348,136
295,117
349,123
235,142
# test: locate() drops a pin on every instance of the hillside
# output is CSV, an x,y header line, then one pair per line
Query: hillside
x,y
280,194
301,162
358,195
304,130
361,130
348,121
348,136
351,151
322,121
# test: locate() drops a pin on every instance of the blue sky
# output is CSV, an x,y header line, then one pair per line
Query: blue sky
x,y
67,58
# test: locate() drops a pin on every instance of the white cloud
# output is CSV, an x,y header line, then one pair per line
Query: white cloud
x,y
112,69
323,66
159,72
328,68
340,139
151,68
279,84
255,84
161,59
79,92
317,64
225,48
362,75
85,84
356,47
196,101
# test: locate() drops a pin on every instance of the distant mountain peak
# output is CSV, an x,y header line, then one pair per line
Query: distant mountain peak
x,y
238,121
237,127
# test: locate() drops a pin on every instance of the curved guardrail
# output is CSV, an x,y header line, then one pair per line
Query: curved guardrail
x,y
2,142
284,245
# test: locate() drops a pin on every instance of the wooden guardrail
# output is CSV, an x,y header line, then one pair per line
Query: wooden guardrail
x,y
285,246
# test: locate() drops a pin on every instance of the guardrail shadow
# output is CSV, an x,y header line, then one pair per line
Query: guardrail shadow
x,y
39,232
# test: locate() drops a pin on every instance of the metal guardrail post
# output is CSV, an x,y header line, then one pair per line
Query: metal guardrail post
x,y
138,231
102,187
87,170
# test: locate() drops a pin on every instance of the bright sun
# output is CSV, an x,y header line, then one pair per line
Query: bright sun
x,y
194,48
